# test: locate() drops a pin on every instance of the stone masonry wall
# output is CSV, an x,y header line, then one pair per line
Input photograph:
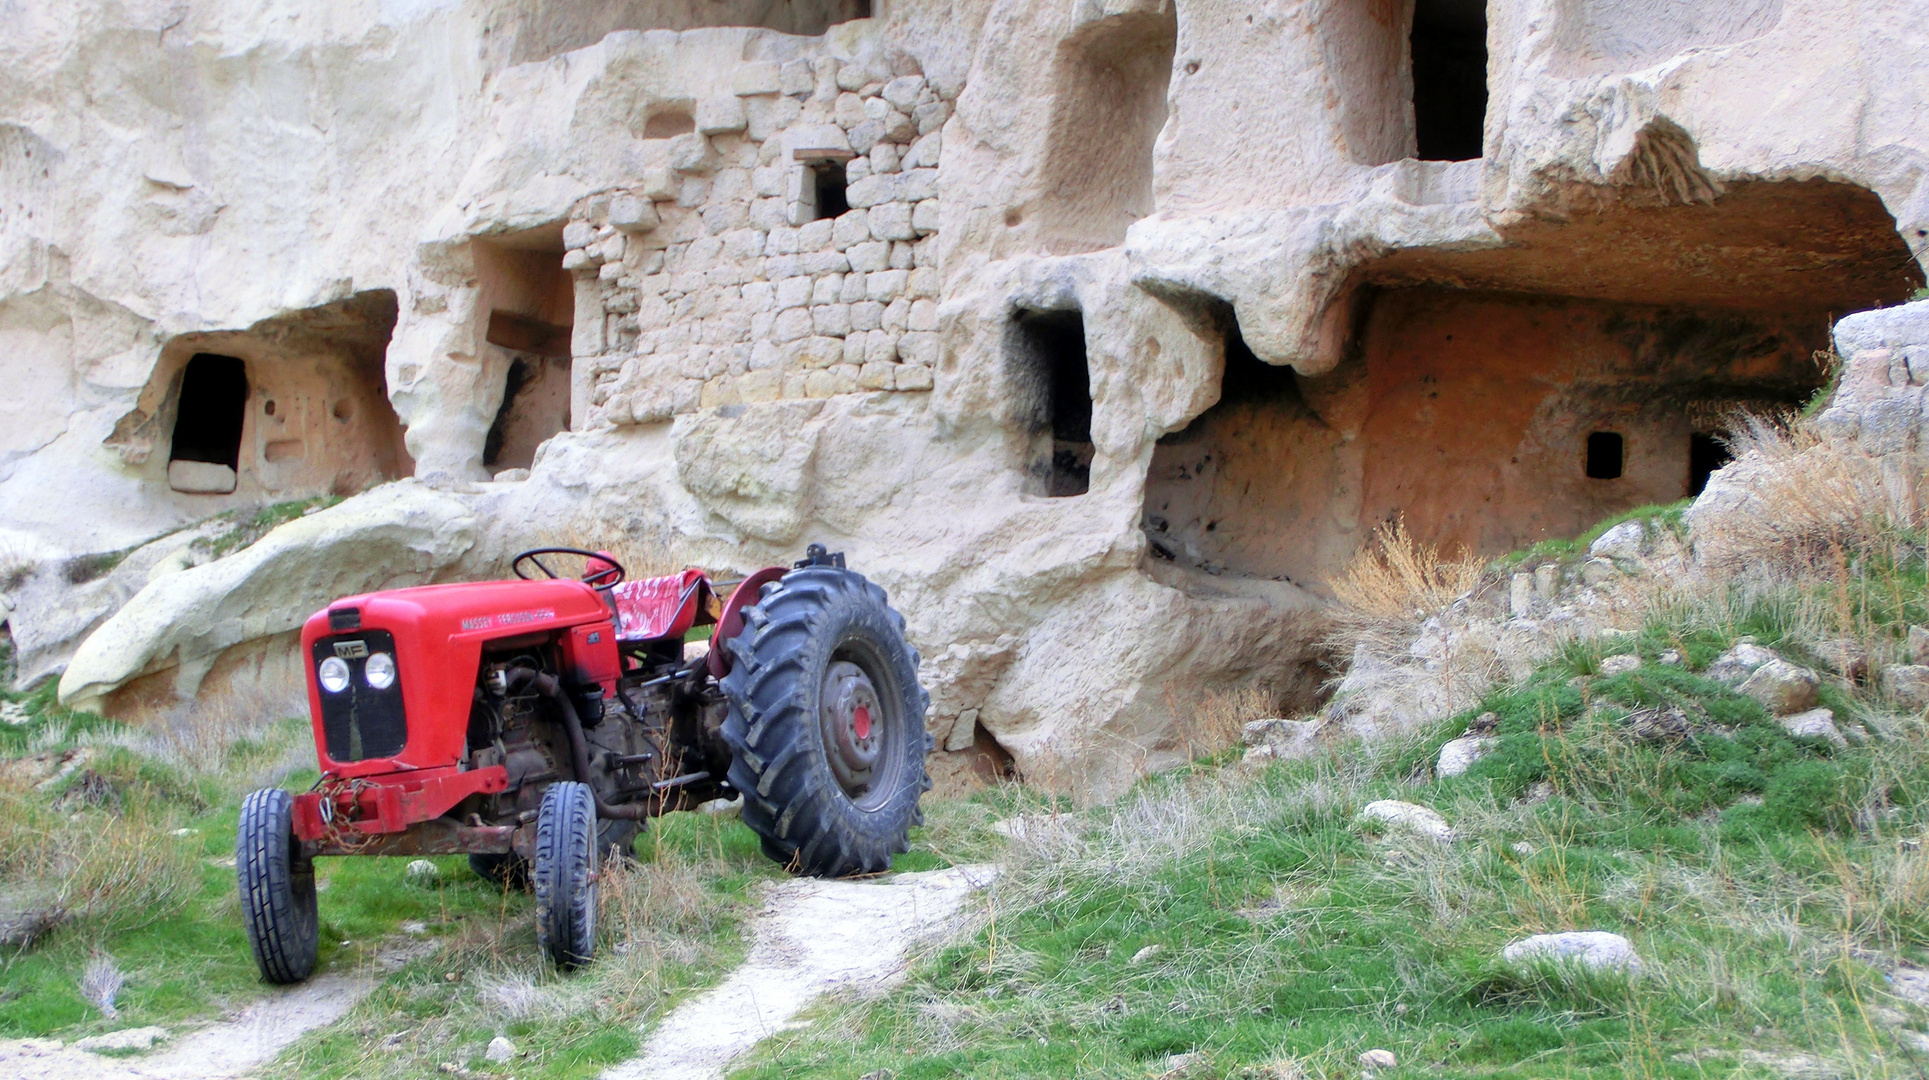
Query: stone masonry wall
x,y
709,283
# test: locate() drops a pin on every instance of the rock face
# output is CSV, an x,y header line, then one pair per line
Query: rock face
x,y
1117,322
181,628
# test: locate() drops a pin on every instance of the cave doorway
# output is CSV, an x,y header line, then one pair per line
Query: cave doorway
x,y
1052,374
1448,48
1707,452
531,302
1235,494
205,454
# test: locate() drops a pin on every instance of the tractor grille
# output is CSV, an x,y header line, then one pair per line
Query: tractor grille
x,y
361,722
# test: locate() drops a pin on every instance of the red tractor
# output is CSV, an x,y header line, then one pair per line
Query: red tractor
x,y
535,725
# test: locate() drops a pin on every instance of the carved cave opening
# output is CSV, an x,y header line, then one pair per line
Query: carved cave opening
x,y
530,301
204,455
1241,491
1045,352
294,406
1108,105
1484,420
1448,48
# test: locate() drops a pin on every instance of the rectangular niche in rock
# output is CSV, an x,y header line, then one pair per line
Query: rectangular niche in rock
x,y
206,452
1449,52
530,299
1045,355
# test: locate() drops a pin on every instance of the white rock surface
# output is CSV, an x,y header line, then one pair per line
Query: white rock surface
x,y
1739,662
179,626
630,185
1620,664
500,1050
1815,724
1624,541
1907,685
1596,950
1409,818
1459,755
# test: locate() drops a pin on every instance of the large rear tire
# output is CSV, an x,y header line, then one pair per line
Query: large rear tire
x,y
564,874
826,724
277,888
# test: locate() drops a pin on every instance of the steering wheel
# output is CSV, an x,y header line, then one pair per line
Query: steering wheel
x,y
606,578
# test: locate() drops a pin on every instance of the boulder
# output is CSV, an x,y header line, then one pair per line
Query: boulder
x,y
1739,663
1918,645
1284,740
400,534
1410,818
1459,755
1596,572
1595,950
1815,724
1907,685
1783,688
1623,541
1378,1059
500,1050
1620,665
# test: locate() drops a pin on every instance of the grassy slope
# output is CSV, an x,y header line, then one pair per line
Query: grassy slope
x,y
1767,880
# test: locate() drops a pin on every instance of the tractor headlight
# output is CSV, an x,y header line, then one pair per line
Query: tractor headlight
x,y
333,674
380,670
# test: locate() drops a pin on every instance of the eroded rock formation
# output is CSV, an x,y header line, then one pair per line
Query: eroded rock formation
x,y
1099,331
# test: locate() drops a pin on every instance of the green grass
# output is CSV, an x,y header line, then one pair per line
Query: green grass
x,y
1762,877
247,527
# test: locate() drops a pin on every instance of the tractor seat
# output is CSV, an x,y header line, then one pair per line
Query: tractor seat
x,y
648,609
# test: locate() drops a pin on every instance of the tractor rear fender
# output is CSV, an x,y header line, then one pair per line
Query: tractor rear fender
x,y
730,623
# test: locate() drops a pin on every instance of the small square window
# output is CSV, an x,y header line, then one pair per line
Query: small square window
x,y
1604,453
828,186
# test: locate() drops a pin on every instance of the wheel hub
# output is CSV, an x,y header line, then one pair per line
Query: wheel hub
x,y
853,738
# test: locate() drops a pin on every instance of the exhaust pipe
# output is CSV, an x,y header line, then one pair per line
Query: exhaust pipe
x,y
549,687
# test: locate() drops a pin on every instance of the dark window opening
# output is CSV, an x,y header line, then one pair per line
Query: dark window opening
x,y
1048,349
214,399
1706,453
1449,50
829,188
499,431
1604,453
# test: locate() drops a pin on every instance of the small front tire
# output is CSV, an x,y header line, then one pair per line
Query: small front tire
x,y
564,874
278,907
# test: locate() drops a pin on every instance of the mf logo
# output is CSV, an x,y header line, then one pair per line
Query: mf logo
x,y
351,650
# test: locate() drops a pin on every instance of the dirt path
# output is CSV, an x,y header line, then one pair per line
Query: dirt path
x,y
224,1049
812,936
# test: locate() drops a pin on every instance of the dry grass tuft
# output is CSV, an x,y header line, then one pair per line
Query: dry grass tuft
x,y
1395,576
121,869
1796,494
236,737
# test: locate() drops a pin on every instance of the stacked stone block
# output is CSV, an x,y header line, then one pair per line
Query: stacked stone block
x,y
712,282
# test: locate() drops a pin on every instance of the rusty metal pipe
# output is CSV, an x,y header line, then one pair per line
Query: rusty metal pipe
x,y
549,687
